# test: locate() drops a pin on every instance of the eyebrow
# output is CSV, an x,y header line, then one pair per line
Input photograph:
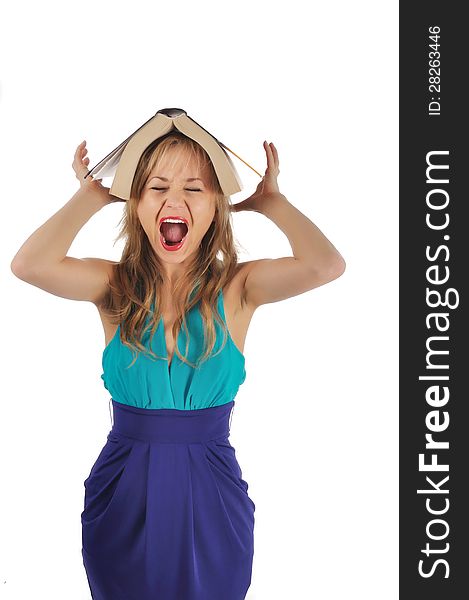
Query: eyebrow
x,y
165,179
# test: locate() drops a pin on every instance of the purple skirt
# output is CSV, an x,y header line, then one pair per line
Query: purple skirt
x,y
166,513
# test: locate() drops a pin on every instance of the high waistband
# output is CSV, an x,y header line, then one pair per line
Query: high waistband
x,y
171,425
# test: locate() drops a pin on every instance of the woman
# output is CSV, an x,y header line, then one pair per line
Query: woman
x,y
167,514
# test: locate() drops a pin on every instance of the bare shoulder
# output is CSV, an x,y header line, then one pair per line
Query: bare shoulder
x,y
108,267
233,293
108,327
236,289
237,311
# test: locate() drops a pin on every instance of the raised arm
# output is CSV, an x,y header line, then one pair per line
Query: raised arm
x,y
315,260
42,260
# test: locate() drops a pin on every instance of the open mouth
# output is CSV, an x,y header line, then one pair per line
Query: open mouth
x,y
173,233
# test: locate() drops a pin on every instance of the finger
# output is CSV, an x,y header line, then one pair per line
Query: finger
x,y
81,151
275,153
274,157
79,158
78,155
270,158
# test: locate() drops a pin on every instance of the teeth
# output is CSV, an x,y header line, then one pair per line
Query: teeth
x,y
173,221
169,220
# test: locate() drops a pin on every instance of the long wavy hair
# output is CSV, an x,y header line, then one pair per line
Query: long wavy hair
x,y
136,280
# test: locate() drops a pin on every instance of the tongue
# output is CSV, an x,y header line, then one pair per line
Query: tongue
x,y
173,232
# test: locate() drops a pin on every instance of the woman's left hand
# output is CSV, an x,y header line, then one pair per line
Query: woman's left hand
x,y
268,186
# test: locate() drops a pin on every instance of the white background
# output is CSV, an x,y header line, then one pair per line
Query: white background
x,y
315,425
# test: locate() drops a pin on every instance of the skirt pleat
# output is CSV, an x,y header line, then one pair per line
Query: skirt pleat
x,y
167,515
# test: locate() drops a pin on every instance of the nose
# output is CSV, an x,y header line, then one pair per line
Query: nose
x,y
175,199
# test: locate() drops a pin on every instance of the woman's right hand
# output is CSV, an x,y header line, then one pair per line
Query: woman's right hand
x,y
80,166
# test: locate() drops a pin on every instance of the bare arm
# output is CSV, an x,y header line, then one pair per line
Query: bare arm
x,y
315,259
42,260
49,244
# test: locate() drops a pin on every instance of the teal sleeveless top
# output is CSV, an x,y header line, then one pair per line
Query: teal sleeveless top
x,y
150,383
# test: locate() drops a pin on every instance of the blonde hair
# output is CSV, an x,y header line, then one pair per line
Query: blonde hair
x,y
137,277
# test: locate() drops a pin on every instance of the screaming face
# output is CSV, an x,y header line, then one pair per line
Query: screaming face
x,y
176,209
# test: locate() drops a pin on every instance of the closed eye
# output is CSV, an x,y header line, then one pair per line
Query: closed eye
x,y
187,189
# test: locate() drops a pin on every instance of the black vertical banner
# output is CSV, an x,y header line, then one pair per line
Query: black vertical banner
x,y
433,263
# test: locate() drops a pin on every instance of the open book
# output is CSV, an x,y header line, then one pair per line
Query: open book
x,y
122,161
